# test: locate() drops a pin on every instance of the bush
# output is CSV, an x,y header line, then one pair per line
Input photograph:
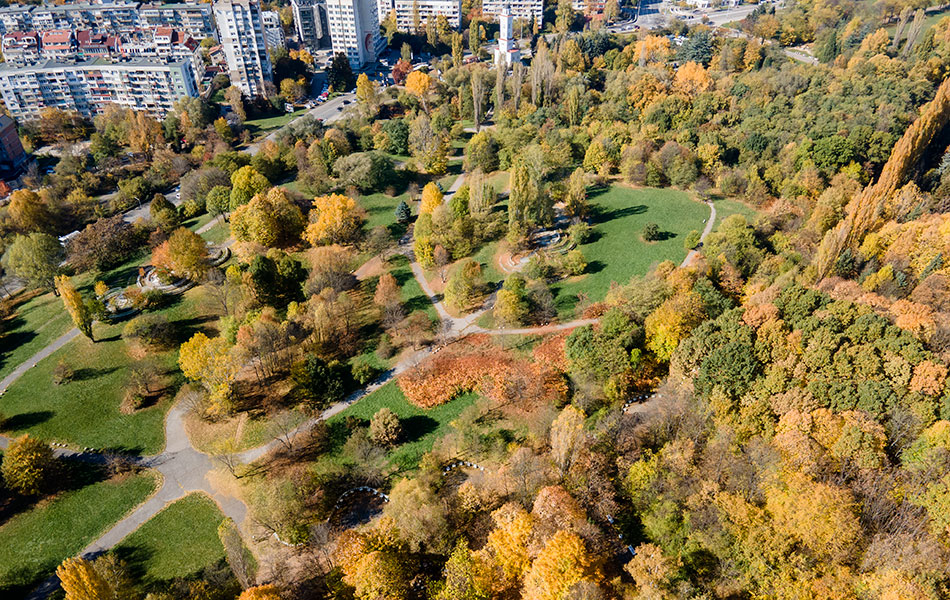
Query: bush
x,y
579,233
151,330
63,372
574,262
692,240
539,267
651,232
385,348
363,372
27,466
385,428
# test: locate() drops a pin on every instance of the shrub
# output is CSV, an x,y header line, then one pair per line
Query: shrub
x,y
385,428
63,373
151,330
579,233
363,372
574,262
651,232
692,240
27,466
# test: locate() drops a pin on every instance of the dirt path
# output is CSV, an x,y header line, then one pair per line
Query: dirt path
x,y
692,254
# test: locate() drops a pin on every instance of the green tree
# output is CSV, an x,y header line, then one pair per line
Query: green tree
x,y
340,74
318,384
464,284
575,204
246,183
36,258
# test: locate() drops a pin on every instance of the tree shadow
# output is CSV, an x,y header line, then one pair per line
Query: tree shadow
x,y
595,266
135,559
420,302
417,426
27,420
665,235
86,373
600,215
186,328
15,339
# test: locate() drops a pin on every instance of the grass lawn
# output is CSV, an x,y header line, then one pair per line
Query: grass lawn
x,y
412,295
499,180
179,541
421,428
33,543
258,127
726,207
219,233
616,251
37,322
929,21
381,209
196,223
86,411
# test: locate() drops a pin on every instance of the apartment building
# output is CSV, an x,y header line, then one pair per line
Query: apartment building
x,y
406,11
58,44
165,44
196,20
21,47
519,9
310,21
115,17
273,30
87,86
354,30
241,31
97,45
589,8
16,18
12,155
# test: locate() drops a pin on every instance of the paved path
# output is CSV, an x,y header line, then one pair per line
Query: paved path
x,y
31,362
691,255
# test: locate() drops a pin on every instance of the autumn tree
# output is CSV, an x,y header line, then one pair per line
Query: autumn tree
x,y
389,298
246,183
567,432
463,577
562,563
36,258
334,219
366,93
671,322
80,311
417,513
431,198
235,100
27,465
269,219
464,284
575,203
80,580
511,303
385,428
30,212
210,362
261,592
419,83
184,253
236,554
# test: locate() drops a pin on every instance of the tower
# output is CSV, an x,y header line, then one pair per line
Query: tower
x,y
507,51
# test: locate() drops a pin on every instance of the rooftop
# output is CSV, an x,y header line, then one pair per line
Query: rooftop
x,y
55,65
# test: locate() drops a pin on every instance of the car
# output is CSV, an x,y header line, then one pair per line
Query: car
x,y
339,108
346,102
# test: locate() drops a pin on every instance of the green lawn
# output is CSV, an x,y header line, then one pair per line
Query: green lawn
x,y
219,233
86,411
33,543
179,541
381,209
421,428
929,21
617,251
412,295
726,207
258,127
36,323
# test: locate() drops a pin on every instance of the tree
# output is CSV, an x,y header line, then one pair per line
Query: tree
x,y
30,212
575,204
567,431
80,580
261,592
236,554
417,513
334,219
366,93
78,309
561,564
317,383
210,362
418,83
511,304
427,146
340,74
403,212
464,284
564,16
385,428
292,90
235,100
691,79
389,298
184,253
478,95
474,37
431,198
27,465
35,257
163,213
651,232
462,581
457,49
269,219
218,200
246,183
401,70
224,131
481,153
366,171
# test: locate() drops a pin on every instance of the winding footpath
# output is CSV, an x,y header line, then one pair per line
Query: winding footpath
x,y
185,470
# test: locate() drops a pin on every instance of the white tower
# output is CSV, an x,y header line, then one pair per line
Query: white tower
x,y
507,51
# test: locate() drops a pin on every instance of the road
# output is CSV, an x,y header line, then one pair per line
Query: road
x,y
330,111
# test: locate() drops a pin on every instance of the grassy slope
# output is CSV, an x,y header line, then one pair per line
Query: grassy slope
x,y
412,295
617,251
726,207
33,543
86,411
38,322
179,541
421,427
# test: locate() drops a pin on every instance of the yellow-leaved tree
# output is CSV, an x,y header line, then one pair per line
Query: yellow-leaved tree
x,y
76,307
80,580
562,564
261,592
418,83
271,219
210,362
431,198
334,219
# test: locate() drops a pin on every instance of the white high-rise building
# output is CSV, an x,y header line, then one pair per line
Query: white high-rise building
x,y
406,12
519,9
507,51
241,31
273,30
310,20
354,30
